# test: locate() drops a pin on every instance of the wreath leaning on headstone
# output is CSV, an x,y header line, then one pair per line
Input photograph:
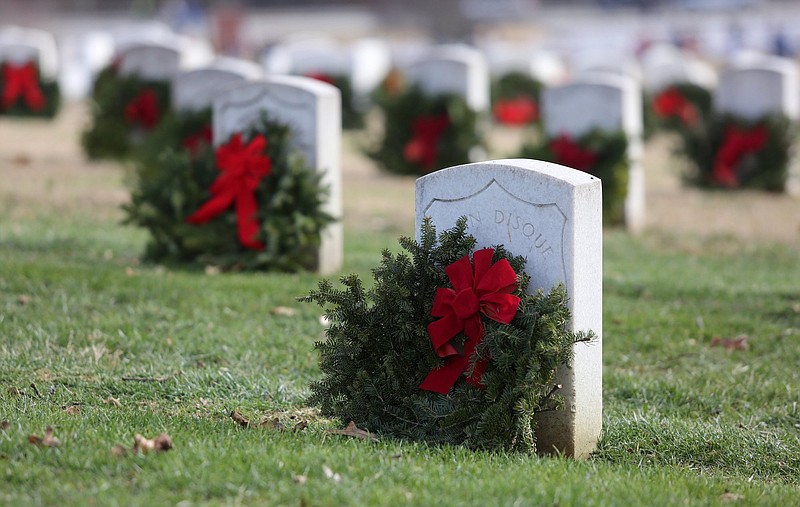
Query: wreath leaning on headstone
x,y
447,347
23,92
598,152
250,204
515,99
423,133
124,111
677,107
730,152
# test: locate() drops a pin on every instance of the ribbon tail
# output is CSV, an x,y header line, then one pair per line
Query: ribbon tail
x,y
441,380
247,221
211,208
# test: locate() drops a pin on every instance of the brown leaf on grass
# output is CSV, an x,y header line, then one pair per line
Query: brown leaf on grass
x,y
23,299
300,479
112,401
240,419
118,451
354,431
738,343
300,426
48,440
161,443
73,410
14,391
213,270
129,271
283,311
271,423
4,424
21,159
731,497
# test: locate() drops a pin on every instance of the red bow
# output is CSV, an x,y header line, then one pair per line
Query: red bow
x,y
319,76
518,111
192,143
22,81
480,289
737,143
425,134
671,103
242,168
143,109
569,153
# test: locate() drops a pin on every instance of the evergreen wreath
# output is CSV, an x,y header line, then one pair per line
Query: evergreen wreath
x,y
515,99
675,108
382,370
173,186
124,110
598,152
189,130
24,93
727,151
353,110
424,133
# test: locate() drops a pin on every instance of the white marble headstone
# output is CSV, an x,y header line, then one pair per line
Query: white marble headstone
x,y
609,102
552,215
765,86
19,45
457,69
664,65
194,90
312,110
150,61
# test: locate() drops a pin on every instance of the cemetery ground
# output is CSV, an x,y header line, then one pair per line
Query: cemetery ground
x,y
701,331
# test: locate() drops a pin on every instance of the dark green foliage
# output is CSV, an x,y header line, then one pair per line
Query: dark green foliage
x,y
52,97
172,132
378,351
352,109
697,96
611,166
765,169
173,185
400,111
108,134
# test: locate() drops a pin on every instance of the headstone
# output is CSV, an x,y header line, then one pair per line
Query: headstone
x,y
19,45
150,61
312,110
759,87
195,90
664,65
609,102
455,68
551,215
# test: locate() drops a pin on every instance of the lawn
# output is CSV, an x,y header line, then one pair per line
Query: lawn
x,y
701,385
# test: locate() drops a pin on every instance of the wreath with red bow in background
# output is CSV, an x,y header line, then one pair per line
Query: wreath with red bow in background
x,y
251,203
23,92
676,108
515,99
424,133
125,110
598,152
446,347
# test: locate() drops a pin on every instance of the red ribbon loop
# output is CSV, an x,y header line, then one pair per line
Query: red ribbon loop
x,y
143,109
671,103
569,153
22,81
242,167
425,134
478,288
517,111
736,144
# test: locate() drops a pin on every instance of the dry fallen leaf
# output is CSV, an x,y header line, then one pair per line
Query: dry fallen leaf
x,y
15,391
47,441
21,159
119,451
300,479
4,425
73,410
731,497
240,419
161,443
23,299
283,311
300,426
738,343
213,270
270,423
129,271
112,401
354,431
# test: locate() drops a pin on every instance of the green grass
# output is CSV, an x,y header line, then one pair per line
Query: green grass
x,y
684,422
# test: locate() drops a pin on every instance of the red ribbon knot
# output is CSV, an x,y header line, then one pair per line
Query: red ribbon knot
x,y
670,103
736,144
242,167
569,153
517,111
426,131
143,109
22,81
483,288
